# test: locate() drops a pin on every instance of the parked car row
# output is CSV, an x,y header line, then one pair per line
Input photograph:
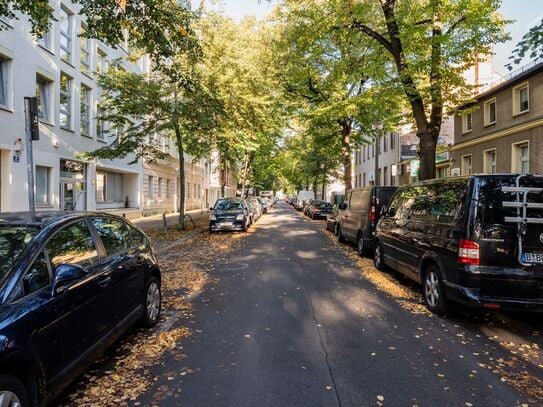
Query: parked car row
x,y
70,285
475,241
230,214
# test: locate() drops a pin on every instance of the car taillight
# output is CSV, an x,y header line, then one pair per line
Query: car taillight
x,y
372,213
468,252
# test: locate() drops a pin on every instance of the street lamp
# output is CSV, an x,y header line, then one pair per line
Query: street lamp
x,y
377,127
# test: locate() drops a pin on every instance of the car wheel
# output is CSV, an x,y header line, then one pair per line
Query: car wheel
x,y
432,291
13,392
340,237
245,227
152,302
378,256
360,247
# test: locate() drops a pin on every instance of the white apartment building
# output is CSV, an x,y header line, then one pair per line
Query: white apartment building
x,y
59,69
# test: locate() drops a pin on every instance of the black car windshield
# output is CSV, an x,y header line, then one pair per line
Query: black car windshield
x,y
228,205
13,240
325,206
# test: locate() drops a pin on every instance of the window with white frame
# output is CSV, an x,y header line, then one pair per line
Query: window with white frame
x,y
151,187
4,84
490,112
168,188
45,39
84,113
43,190
521,99
101,125
43,94
101,61
159,187
65,24
109,187
466,164
489,161
65,101
392,141
521,158
85,51
467,122
385,146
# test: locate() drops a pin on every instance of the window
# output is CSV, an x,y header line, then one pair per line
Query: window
x,y
392,141
100,124
385,176
73,245
3,81
385,146
466,164
489,161
65,101
467,122
101,61
37,276
42,185
521,158
109,187
168,188
113,233
188,189
85,51
84,120
160,187
490,112
45,39
521,99
364,180
65,23
356,182
364,153
43,93
151,186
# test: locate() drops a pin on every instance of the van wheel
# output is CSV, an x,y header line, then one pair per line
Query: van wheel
x,y
152,303
378,256
360,247
340,237
432,291
13,392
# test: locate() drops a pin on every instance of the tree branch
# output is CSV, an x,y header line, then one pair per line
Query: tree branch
x,y
372,33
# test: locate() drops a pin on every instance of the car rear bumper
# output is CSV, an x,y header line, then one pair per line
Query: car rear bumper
x,y
521,295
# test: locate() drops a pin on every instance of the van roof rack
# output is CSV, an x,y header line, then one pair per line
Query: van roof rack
x,y
522,205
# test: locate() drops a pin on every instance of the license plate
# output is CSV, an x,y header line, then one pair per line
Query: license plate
x,y
227,224
533,257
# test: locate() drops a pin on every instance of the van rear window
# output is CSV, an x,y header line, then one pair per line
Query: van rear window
x,y
491,199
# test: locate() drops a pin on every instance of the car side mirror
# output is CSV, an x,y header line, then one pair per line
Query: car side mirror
x,y
65,274
210,209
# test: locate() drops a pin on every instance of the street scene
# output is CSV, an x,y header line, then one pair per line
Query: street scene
x,y
271,203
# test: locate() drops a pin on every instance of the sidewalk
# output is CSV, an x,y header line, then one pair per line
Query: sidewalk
x,y
156,222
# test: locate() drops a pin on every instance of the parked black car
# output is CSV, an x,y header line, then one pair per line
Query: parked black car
x,y
359,213
70,285
331,219
474,240
319,210
230,214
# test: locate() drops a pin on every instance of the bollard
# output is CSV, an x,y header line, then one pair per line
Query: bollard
x,y
164,223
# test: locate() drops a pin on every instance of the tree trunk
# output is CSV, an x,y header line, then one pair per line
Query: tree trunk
x,y
346,152
324,185
222,174
180,150
427,153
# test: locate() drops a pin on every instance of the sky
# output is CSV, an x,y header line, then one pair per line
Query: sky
x,y
527,13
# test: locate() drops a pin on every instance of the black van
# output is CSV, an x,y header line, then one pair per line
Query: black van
x,y
474,240
359,213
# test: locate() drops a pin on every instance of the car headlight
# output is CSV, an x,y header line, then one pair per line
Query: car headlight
x,y
239,217
212,217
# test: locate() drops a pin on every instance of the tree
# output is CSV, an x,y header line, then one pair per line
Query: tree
x,y
173,101
158,27
335,79
532,43
431,43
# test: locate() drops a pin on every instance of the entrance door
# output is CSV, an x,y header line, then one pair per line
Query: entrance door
x,y
72,196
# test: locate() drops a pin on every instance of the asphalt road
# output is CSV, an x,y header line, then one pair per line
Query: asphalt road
x,y
292,321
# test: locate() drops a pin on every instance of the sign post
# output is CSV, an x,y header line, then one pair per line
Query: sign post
x,y
31,133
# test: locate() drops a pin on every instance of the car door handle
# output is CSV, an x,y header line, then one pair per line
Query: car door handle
x,y
105,281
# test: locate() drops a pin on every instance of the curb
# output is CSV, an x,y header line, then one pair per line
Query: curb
x,y
182,239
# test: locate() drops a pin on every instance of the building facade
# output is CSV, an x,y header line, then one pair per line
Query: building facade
x,y
502,132
59,68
